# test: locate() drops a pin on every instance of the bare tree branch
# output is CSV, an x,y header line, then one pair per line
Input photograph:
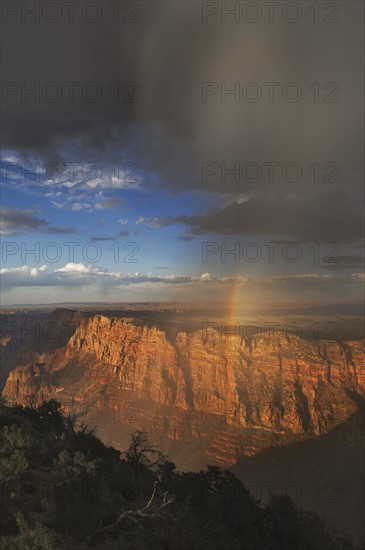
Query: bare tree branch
x,y
132,515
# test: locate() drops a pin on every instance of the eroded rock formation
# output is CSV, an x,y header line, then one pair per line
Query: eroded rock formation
x,y
235,396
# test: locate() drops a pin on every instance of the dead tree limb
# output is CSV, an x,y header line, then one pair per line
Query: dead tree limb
x,y
132,515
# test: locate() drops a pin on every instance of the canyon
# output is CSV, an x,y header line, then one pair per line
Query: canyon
x,y
225,397
285,413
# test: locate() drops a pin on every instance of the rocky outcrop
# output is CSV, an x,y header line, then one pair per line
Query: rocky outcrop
x,y
199,385
271,381
29,385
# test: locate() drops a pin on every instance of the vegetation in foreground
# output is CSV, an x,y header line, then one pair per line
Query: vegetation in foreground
x,y
62,488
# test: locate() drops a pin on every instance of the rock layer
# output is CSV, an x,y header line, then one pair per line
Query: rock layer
x,y
237,395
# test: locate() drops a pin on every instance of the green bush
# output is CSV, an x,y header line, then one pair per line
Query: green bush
x,y
38,538
136,500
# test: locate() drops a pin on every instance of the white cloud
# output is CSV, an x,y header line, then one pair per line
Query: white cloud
x,y
78,268
23,269
207,277
78,206
152,223
109,204
58,204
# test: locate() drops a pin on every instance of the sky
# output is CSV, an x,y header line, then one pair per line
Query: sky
x,y
182,151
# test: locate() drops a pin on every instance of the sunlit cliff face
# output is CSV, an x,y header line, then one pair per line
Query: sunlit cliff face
x,y
211,386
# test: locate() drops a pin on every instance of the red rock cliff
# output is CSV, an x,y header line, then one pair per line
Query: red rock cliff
x,y
272,383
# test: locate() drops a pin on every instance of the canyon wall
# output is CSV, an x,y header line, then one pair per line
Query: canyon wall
x,y
234,395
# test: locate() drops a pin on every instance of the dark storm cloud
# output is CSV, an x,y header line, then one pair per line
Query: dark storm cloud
x,y
169,54
298,216
304,218
14,221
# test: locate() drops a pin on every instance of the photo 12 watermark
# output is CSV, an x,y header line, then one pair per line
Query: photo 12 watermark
x,y
69,252
269,92
273,251
70,12
270,12
120,173
269,332
269,172
70,92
